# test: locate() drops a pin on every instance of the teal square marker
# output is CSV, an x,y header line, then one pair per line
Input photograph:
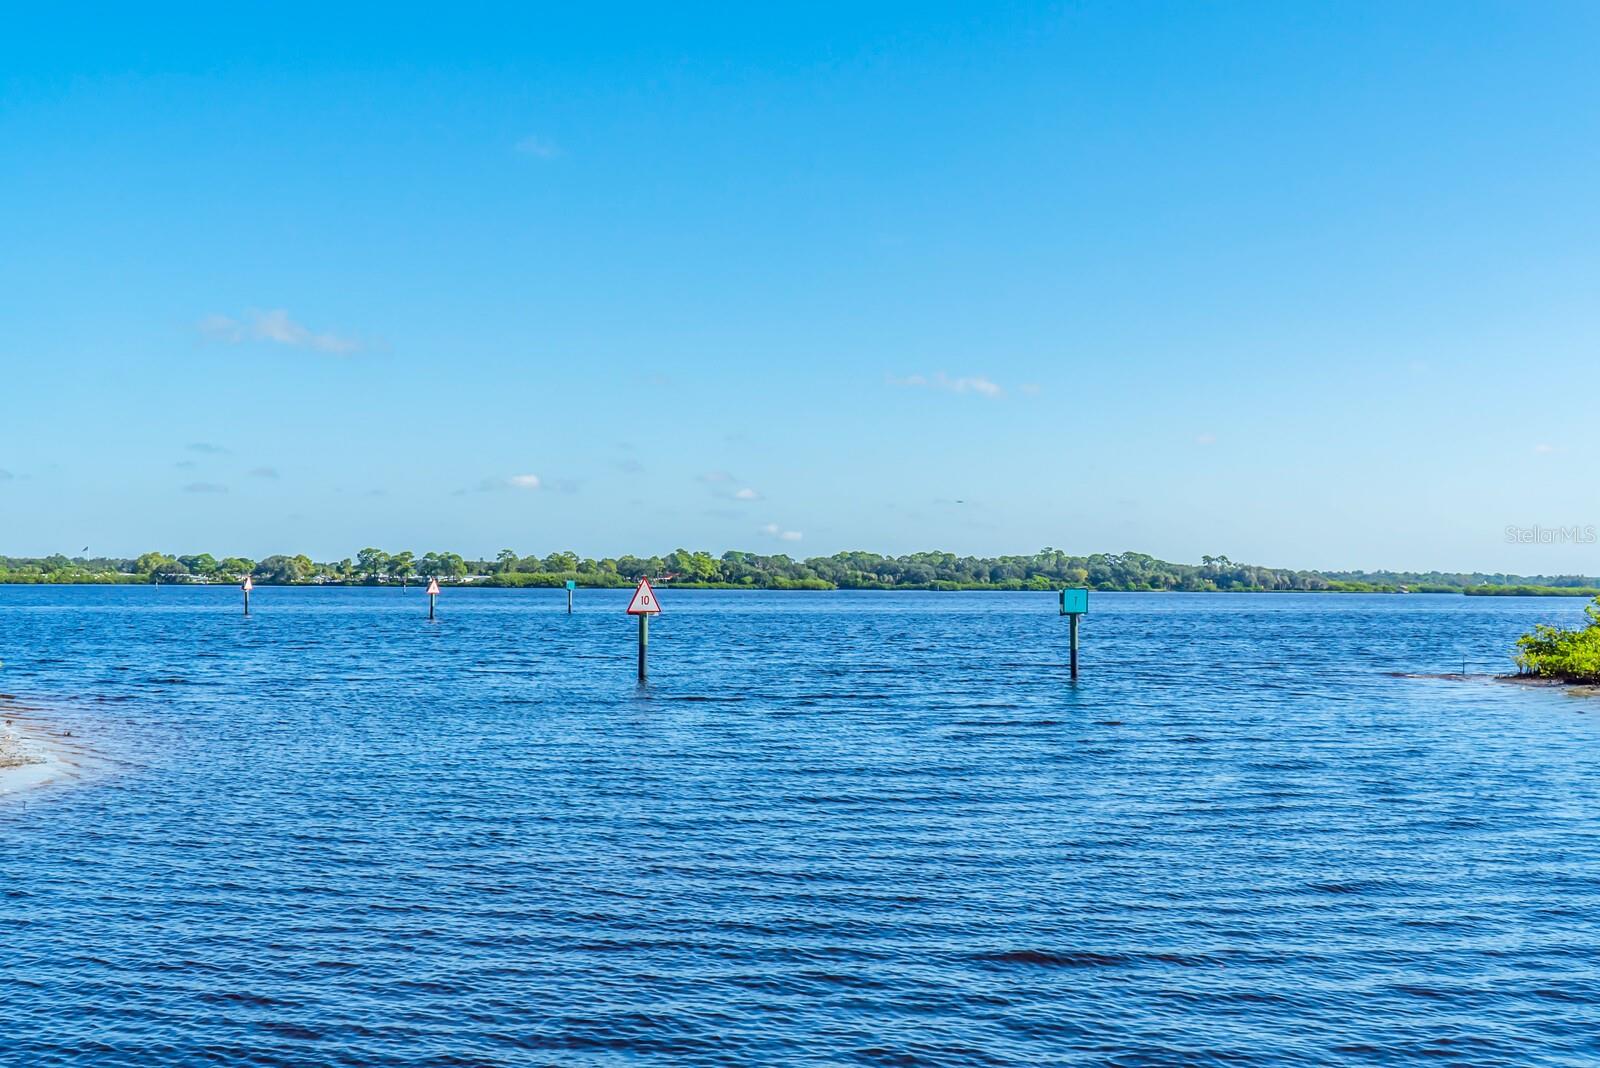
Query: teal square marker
x,y
1075,602
572,584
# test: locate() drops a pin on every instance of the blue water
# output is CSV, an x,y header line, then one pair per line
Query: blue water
x,y
874,829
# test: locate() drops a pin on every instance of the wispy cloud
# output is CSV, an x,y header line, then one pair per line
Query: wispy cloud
x,y
274,326
221,328
773,530
206,448
727,486
1544,448
263,472
538,147
502,484
978,384
205,487
6,476
1205,439
722,484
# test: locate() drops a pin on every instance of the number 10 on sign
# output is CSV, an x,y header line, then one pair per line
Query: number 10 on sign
x,y
644,605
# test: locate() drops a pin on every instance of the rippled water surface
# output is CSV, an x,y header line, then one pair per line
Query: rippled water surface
x,y
877,829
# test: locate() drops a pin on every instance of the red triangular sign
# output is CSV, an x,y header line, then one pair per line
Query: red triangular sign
x,y
433,587
644,600
248,585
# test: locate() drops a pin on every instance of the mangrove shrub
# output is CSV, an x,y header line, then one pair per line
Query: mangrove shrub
x,y
1571,654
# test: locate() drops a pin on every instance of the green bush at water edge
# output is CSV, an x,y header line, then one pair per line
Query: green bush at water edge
x,y
1572,655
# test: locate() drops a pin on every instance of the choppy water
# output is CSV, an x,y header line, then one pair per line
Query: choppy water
x,y
834,829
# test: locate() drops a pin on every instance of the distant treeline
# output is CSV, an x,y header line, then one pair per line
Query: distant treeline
x,y
1533,591
1044,570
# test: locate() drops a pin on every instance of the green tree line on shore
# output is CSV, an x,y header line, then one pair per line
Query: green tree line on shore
x,y
1044,570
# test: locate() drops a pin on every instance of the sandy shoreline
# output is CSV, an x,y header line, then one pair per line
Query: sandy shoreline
x,y
29,757
1577,689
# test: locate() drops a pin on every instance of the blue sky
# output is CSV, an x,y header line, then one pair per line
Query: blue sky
x,y
1308,286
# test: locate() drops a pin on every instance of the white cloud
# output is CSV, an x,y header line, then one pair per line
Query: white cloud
x,y
538,147
978,384
513,482
263,472
205,487
1544,448
207,448
274,326
1205,439
775,531
723,485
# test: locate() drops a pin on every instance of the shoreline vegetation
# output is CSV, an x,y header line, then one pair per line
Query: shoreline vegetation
x,y
1562,654
1048,569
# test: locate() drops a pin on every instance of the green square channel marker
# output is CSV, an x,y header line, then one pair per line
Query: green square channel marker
x,y
572,584
1075,602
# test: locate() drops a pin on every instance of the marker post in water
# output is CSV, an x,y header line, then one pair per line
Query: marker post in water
x,y
644,605
1074,603
247,586
433,595
571,585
